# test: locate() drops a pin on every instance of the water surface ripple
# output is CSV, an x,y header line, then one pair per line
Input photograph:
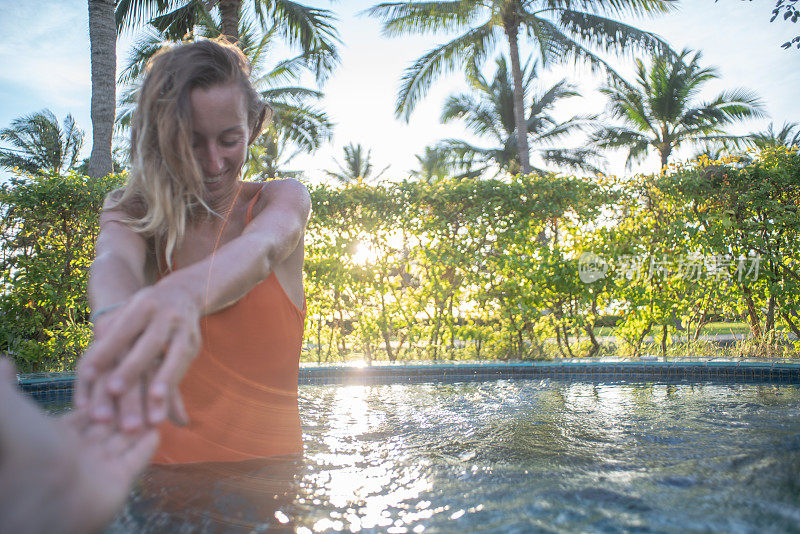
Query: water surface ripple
x,y
506,456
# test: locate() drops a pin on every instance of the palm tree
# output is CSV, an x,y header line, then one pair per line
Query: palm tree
x,y
356,167
711,151
788,135
308,27
41,146
558,30
435,162
103,50
660,110
489,112
296,122
268,158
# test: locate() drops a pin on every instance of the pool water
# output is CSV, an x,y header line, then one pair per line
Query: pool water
x,y
505,456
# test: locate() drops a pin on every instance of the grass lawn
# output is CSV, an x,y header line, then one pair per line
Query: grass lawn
x,y
725,328
709,329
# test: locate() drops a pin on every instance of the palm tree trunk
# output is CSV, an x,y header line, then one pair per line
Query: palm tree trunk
x,y
664,159
512,29
665,148
229,11
103,46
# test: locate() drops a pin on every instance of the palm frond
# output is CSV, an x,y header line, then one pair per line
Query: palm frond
x,y
402,18
464,152
176,24
417,78
477,115
296,94
131,13
556,131
629,105
784,137
148,44
623,7
572,158
311,29
10,160
609,34
255,43
287,70
305,126
555,45
553,94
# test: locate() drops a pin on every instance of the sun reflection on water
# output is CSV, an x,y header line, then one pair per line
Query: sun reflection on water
x,y
372,487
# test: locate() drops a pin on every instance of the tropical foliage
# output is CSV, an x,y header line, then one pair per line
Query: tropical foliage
x,y
434,162
452,268
48,226
308,28
40,144
356,166
488,111
788,136
560,30
787,9
660,111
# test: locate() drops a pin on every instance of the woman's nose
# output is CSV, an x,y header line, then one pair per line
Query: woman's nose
x,y
212,160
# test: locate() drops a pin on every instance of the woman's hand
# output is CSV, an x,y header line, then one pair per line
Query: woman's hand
x,y
140,353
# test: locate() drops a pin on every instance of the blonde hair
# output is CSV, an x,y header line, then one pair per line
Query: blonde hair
x,y
164,190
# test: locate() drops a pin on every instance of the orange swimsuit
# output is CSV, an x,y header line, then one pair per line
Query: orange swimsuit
x,y
241,390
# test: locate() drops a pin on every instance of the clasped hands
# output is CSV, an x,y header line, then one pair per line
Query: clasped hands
x,y
141,351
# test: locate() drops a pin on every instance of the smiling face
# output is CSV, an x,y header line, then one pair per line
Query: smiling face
x,y
219,133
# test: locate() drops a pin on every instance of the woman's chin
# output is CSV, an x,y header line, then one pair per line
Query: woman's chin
x,y
218,183
219,190
213,180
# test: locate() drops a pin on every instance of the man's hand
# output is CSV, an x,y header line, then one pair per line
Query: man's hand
x,y
65,474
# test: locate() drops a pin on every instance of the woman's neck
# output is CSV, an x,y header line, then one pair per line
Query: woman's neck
x,y
222,202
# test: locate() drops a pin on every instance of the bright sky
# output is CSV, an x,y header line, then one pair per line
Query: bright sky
x,y
44,53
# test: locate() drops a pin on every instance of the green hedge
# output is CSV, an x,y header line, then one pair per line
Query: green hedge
x,y
467,268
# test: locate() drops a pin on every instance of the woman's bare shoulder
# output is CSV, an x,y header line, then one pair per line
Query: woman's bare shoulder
x,y
286,190
115,201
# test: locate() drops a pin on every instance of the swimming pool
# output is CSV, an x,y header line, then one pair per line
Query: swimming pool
x,y
517,455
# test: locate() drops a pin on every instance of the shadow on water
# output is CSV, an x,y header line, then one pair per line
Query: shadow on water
x,y
214,497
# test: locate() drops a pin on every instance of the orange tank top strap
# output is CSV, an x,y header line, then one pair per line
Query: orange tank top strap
x,y
249,215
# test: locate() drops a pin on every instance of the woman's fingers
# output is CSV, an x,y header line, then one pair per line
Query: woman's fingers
x,y
131,408
147,348
177,410
164,397
118,336
102,405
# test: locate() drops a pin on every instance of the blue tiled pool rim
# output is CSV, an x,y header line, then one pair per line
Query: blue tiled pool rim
x,y
57,387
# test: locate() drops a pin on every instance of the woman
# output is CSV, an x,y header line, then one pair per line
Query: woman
x,y
198,273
